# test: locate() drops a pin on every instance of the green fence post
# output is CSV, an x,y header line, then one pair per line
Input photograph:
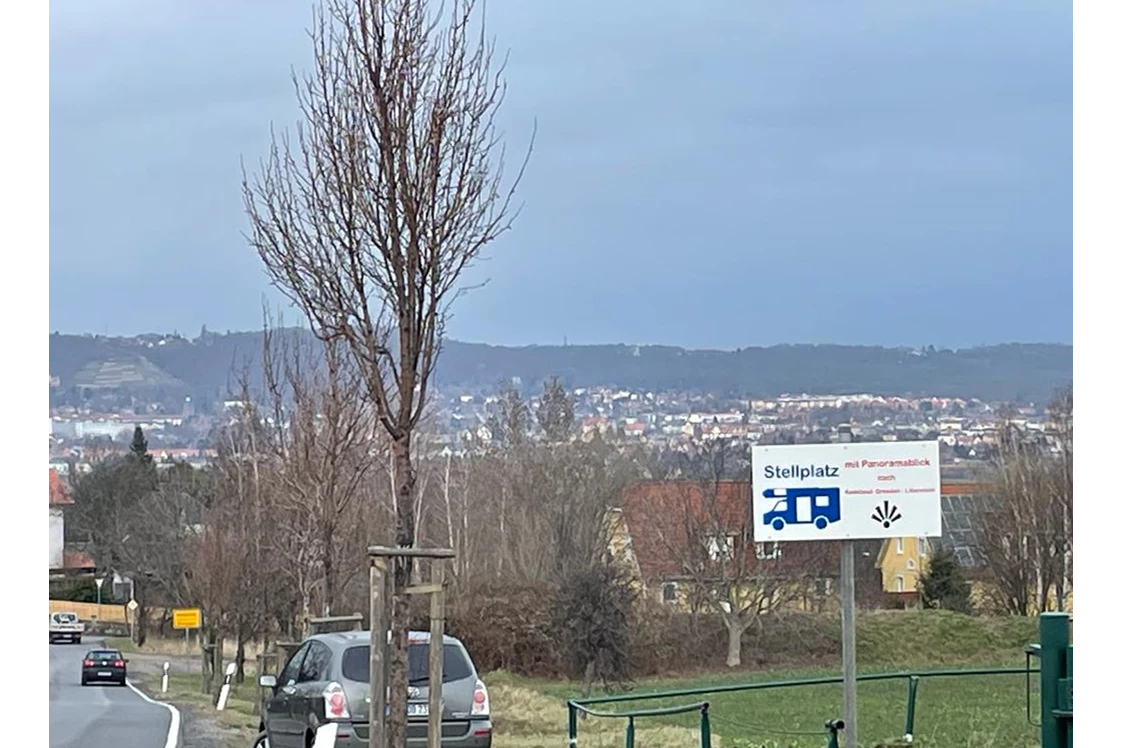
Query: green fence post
x,y
1054,647
910,711
572,725
833,726
630,735
705,726
1066,690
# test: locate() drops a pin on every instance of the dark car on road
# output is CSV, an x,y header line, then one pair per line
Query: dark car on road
x,y
104,666
327,679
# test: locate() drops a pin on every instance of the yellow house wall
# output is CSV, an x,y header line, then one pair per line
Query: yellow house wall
x,y
894,564
896,554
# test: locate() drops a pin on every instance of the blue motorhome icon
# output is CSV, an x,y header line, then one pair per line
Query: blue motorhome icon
x,y
802,506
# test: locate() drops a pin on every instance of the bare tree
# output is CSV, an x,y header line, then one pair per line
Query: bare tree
x,y
1061,429
320,434
1026,517
390,191
703,532
555,412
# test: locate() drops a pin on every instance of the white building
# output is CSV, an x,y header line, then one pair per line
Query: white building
x,y
59,500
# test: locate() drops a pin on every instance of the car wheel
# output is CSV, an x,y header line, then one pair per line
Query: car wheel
x,y
262,740
777,524
84,681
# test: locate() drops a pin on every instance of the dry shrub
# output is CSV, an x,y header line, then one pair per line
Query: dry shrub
x,y
525,718
672,642
509,628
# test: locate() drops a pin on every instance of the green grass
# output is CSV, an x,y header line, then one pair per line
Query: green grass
x,y
951,712
123,643
929,637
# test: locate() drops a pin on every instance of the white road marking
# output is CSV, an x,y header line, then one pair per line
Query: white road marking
x,y
173,728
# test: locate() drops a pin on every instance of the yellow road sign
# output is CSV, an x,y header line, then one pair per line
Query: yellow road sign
x,y
187,618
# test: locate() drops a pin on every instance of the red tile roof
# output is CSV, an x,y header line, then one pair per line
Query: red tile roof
x,y
953,488
60,494
77,560
664,518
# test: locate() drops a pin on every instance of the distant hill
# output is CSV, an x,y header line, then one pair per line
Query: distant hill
x,y
204,367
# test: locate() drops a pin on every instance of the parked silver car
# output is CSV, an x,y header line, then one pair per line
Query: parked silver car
x,y
327,679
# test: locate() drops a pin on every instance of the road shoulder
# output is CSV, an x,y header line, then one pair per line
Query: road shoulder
x,y
202,726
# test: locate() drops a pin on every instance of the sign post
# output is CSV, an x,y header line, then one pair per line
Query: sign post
x,y
131,606
844,493
849,636
99,581
187,619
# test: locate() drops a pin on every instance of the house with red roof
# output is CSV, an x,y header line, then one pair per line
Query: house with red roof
x,y
682,540
62,559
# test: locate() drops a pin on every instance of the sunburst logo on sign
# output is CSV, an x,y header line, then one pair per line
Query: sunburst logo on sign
x,y
886,515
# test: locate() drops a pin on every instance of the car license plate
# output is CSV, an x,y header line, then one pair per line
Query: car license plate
x,y
418,709
104,674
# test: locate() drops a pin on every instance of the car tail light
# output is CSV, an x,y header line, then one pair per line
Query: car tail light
x,y
87,663
481,704
335,702
118,663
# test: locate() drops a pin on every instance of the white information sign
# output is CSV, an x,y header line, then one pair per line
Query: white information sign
x,y
846,491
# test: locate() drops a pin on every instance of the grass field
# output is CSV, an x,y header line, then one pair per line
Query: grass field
x,y
960,712
964,712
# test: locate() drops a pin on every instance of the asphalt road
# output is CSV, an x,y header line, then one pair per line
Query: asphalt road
x,y
102,716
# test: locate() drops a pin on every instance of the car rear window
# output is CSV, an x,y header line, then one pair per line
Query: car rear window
x,y
104,654
356,664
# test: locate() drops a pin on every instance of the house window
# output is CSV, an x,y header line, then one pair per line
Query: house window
x,y
910,564
823,587
900,546
900,583
765,551
720,547
922,546
670,592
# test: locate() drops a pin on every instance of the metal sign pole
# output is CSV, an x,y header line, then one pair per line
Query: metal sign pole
x,y
849,658
845,493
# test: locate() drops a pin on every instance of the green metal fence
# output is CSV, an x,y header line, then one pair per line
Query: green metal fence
x,y
1055,673
830,729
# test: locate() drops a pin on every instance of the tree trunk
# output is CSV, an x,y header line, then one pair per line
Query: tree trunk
x,y
736,628
329,569
141,614
218,666
404,482
240,658
587,682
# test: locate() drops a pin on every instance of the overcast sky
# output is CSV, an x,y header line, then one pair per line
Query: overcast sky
x,y
707,174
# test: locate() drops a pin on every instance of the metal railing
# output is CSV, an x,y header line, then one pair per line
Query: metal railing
x,y
832,727
703,709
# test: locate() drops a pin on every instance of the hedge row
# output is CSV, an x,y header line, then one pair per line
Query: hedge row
x,y
510,629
